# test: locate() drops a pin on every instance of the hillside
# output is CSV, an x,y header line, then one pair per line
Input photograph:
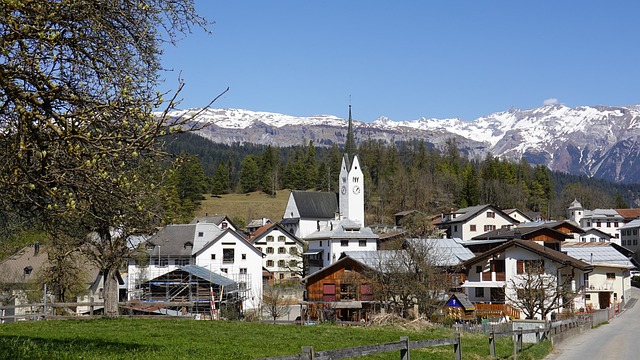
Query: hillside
x,y
246,206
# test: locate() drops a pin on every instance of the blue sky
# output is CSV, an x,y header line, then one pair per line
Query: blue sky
x,y
409,59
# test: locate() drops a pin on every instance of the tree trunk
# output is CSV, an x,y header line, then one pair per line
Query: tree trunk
x,y
110,292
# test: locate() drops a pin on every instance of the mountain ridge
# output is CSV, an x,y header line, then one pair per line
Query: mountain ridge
x,y
596,141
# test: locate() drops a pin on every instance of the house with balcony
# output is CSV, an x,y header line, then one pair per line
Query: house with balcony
x,y
610,280
495,276
474,221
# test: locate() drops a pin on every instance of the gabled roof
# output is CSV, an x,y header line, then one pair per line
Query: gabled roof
x,y
267,229
629,214
522,233
598,232
630,225
315,204
447,252
207,275
559,224
598,254
533,247
222,234
464,214
215,219
343,229
171,240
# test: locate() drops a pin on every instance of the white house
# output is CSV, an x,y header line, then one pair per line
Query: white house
x,y
473,221
594,235
327,245
309,211
496,275
223,252
630,237
605,220
282,251
607,284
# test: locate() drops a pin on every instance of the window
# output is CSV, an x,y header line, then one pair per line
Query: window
x,y
269,263
344,242
624,242
478,268
611,276
200,234
320,243
244,256
270,238
281,276
224,225
282,250
228,255
455,228
224,270
608,224
293,250
243,271
587,296
28,270
281,263
489,227
182,262
213,256
269,250
362,243
347,292
532,266
635,242
479,292
491,214
281,238
293,263
162,262
598,224
472,228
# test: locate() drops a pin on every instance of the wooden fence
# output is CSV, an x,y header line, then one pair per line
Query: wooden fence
x,y
405,345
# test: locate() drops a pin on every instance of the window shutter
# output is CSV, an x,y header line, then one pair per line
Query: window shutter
x,y
520,266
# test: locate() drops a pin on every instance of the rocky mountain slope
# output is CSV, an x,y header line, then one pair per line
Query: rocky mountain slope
x,y
597,141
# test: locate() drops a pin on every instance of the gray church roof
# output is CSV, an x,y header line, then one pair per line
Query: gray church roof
x,y
316,205
343,229
447,252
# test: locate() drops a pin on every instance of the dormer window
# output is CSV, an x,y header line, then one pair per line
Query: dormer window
x,y
188,244
28,270
150,246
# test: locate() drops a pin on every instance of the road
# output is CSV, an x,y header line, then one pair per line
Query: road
x,y
616,340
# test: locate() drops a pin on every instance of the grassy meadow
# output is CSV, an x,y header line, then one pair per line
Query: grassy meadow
x,y
249,206
182,339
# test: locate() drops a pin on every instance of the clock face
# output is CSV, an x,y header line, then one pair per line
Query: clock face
x,y
343,190
356,189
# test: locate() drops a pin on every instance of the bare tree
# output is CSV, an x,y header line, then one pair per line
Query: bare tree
x,y
275,302
410,277
538,293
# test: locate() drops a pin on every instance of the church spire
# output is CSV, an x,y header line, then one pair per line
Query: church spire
x,y
350,145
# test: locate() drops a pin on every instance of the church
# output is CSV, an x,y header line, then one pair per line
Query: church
x,y
332,223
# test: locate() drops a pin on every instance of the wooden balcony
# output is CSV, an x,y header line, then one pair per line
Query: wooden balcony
x,y
488,276
497,310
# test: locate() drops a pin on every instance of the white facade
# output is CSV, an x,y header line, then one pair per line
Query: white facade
x,y
304,226
352,190
282,253
203,244
495,279
233,257
468,223
594,235
630,237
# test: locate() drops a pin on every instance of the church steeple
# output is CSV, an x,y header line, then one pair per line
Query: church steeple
x,y
350,145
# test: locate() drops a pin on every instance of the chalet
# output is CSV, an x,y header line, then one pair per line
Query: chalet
x,y
607,284
283,251
470,222
495,275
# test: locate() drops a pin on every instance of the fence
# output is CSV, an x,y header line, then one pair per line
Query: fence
x,y
405,345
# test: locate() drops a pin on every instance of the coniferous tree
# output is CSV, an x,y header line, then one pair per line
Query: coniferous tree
x,y
249,174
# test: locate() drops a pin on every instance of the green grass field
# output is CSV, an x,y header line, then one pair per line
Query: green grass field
x,y
182,339
249,206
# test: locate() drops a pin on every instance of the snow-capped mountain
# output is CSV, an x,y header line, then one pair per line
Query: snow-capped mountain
x,y
598,141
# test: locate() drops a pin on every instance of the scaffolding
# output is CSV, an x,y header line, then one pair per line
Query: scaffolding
x,y
204,290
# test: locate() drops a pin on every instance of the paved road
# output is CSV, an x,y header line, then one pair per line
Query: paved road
x,y
616,340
